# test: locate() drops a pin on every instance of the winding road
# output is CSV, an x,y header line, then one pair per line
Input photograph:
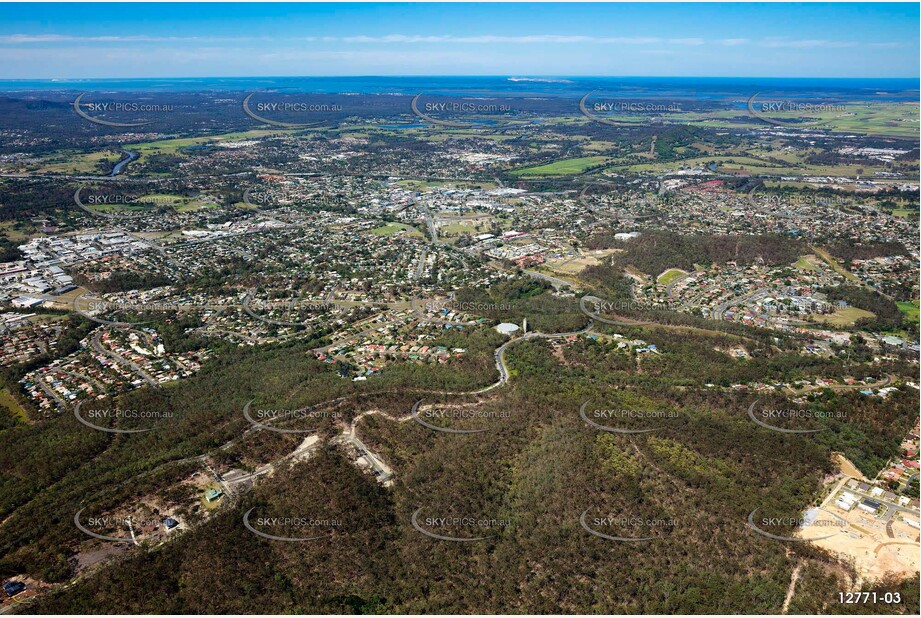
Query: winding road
x,y
97,345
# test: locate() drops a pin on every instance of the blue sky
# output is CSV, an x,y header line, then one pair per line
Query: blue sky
x,y
229,39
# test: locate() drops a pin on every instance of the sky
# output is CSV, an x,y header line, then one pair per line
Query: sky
x,y
146,40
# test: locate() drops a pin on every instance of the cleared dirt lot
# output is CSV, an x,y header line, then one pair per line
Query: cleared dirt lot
x,y
866,542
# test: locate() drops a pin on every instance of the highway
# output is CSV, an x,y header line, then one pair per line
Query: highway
x,y
554,281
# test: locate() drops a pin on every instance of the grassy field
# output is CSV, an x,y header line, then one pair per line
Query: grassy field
x,y
670,275
7,230
844,317
175,145
563,167
463,227
7,401
836,266
74,162
905,213
117,208
71,162
571,266
804,263
750,163
394,228
909,309
180,203
889,119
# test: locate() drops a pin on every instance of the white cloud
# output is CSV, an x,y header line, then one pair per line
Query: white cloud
x,y
691,41
805,43
27,39
485,39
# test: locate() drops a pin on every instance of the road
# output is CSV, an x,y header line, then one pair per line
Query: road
x,y
102,387
500,352
97,345
791,589
891,507
420,312
554,281
363,333
596,315
421,268
671,286
429,222
204,330
51,393
228,479
647,324
349,435
844,387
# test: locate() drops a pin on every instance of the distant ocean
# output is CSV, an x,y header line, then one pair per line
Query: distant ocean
x,y
647,87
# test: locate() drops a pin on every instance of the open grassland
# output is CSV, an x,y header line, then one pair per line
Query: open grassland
x,y
8,231
670,275
884,119
9,402
905,213
175,145
463,227
845,316
805,263
835,264
177,202
563,167
73,162
751,163
396,228
83,163
909,309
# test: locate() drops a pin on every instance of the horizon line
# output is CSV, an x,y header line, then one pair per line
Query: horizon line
x,y
482,75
